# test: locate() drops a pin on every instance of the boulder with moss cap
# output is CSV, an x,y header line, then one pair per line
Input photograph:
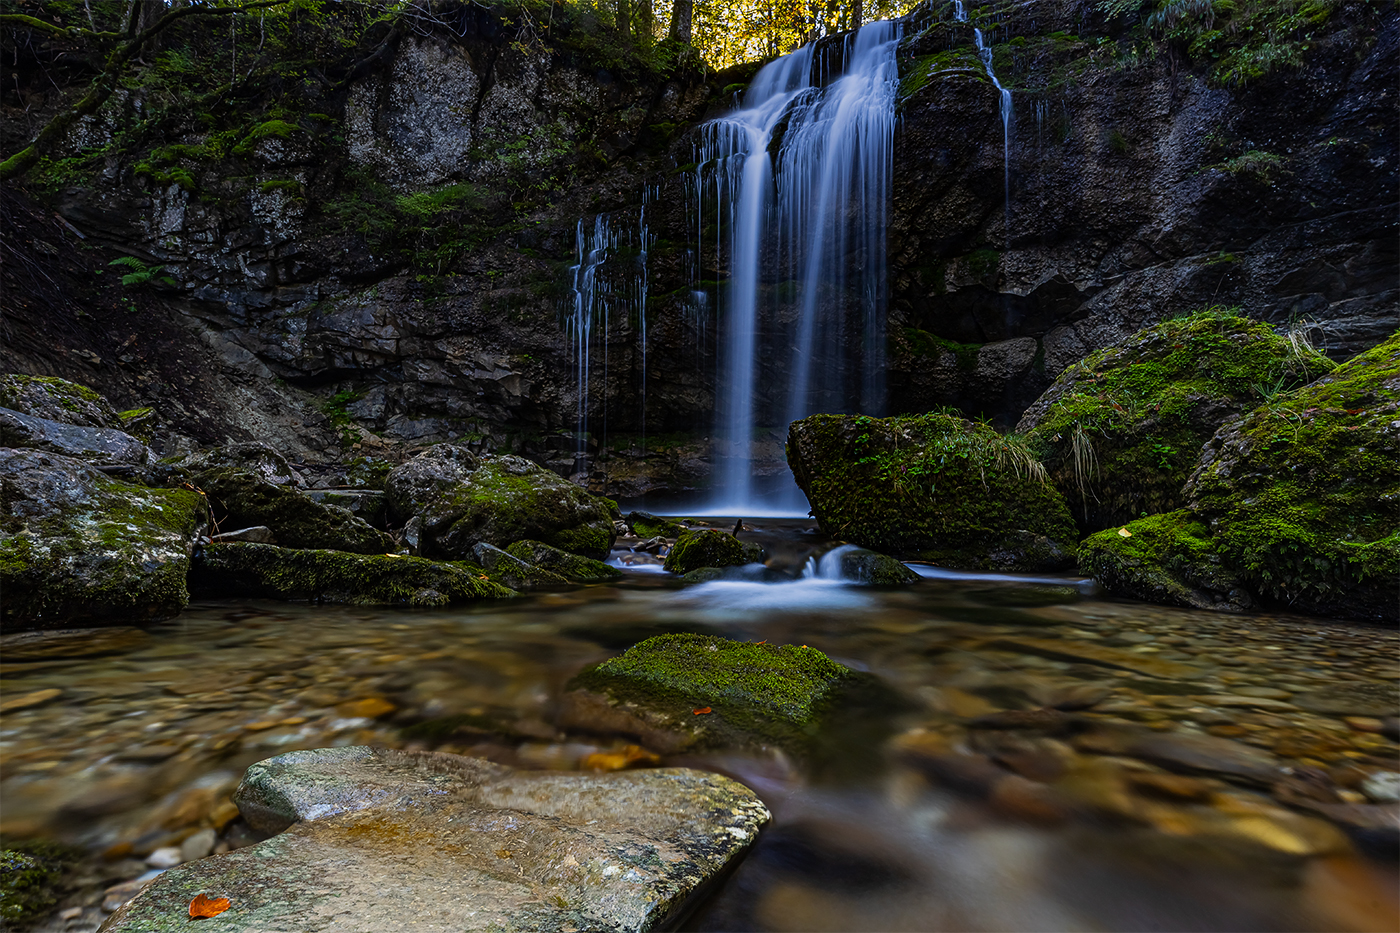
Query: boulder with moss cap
x,y
749,695
437,470
710,547
57,400
241,499
933,487
1121,430
574,567
508,499
78,547
1166,559
247,569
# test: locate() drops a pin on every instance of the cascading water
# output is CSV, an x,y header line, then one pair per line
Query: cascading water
x,y
1008,116
805,242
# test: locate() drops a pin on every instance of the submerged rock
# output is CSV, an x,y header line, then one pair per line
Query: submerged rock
x,y
508,499
934,487
514,572
862,565
1301,494
57,400
78,547
1121,430
576,568
683,691
96,445
242,499
379,838
1164,559
248,569
710,547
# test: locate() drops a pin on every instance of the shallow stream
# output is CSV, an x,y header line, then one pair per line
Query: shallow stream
x,y
127,742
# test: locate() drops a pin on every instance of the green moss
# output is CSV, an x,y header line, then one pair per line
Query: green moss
x,y
1121,430
647,525
923,343
245,569
56,399
241,500
1304,492
934,486
29,876
1168,558
776,693
918,73
710,547
572,566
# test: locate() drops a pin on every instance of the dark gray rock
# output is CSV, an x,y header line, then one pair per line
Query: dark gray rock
x,y
241,499
259,459
574,567
408,488
258,534
875,569
57,400
96,445
367,504
374,839
514,572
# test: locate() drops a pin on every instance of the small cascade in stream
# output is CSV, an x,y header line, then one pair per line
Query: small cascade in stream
x,y
603,291
800,175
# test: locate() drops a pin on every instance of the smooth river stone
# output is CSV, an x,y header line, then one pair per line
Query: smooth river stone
x,y
1206,754
1063,649
1354,699
379,839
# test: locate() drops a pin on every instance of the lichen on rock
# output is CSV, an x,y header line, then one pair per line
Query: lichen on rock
x,y
247,569
79,547
710,547
934,487
57,400
1121,430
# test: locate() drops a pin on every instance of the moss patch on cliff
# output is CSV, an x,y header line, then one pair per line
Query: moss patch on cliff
x,y
1303,494
245,569
1121,430
934,486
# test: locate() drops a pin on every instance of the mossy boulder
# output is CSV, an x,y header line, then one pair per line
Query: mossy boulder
x,y
104,446
241,499
710,547
508,499
261,460
511,571
933,487
436,471
1303,494
1121,431
871,568
78,547
368,472
30,874
746,694
572,566
57,400
647,525
1167,559
244,569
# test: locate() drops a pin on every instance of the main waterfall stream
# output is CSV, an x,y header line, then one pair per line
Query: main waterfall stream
x,y
800,181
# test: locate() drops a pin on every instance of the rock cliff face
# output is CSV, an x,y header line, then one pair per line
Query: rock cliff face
x,y
395,268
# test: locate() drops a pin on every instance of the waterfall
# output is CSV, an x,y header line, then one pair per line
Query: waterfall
x,y
984,52
800,174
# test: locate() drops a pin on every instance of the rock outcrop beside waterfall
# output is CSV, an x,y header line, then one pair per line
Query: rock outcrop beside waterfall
x,y
933,487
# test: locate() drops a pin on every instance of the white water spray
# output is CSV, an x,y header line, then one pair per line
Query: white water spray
x,y
807,232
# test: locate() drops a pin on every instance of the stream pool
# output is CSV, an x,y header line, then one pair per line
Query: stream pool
x,y
1105,816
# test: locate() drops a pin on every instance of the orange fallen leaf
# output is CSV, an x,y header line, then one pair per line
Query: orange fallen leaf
x,y
764,642
205,906
701,711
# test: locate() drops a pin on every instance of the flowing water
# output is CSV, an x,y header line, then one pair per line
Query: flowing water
x,y
799,178
127,741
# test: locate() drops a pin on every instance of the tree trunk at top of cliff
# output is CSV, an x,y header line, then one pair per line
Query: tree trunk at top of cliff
x,y
136,40
682,12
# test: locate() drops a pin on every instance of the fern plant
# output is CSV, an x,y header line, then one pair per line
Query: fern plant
x,y
142,275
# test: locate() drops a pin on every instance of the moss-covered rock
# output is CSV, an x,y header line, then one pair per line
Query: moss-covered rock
x,y
862,565
1121,430
261,460
57,400
508,499
241,499
933,487
242,569
1303,494
29,877
710,547
368,472
511,571
367,504
106,446
688,691
647,525
1168,559
78,547
574,567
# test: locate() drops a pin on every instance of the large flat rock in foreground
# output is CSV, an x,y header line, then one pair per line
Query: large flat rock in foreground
x,y
387,840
